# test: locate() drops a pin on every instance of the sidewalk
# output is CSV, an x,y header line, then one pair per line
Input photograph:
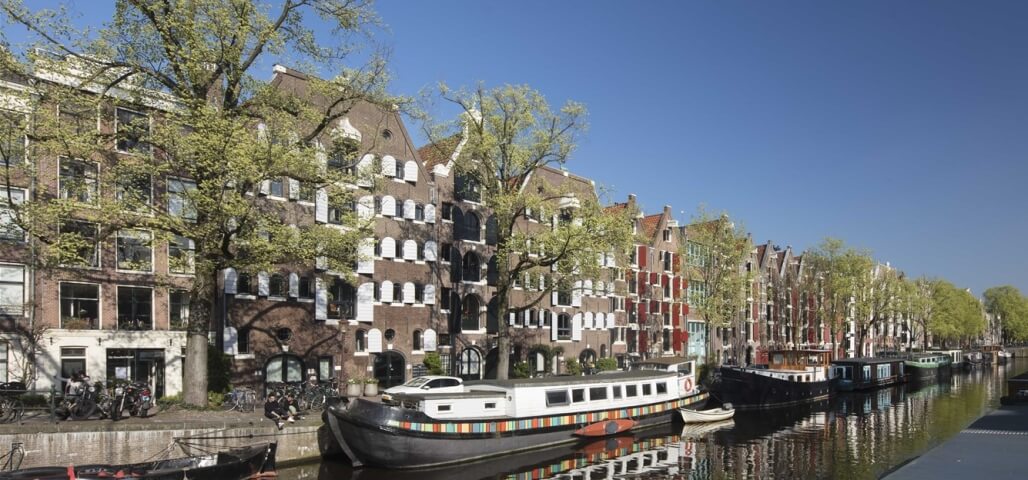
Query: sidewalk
x,y
174,418
992,447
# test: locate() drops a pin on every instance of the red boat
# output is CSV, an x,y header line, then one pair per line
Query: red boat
x,y
606,427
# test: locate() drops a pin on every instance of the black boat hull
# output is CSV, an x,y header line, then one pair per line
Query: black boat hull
x,y
748,390
369,434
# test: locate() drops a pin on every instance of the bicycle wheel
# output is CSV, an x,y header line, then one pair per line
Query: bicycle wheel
x,y
7,410
83,409
249,402
317,401
230,403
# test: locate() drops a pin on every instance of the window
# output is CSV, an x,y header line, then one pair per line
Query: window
x,y
343,300
616,391
342,156
135,308
470,312
134,250
276,187
577,395
77,118
445,211
83,240
696,254
471,228
419,213
647,389
631,391
556,398
445,253
12,137
337,210
243,340
397,292
178,313
667,262
181,255
465,188
661,387
325,368
444,298
73,360
80,306
667,238
277,286
9,230
307,192
179,203
697,292
471,271
417,342
597,393
78,180
132,130
564,327
443,408
135,190
307,286
419,293
360,341
12,290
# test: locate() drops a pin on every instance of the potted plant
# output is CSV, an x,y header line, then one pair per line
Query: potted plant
x,y
354,387
370,387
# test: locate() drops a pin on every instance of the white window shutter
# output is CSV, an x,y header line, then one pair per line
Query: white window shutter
x,y
576,294
364,170
553,329
429,213
321,262
576,327
510,319
374,341
262,284
265,187
294,189
231,338
410,171
602,259
408,209
388,247
366,256
587,321
553,297
388,206
599,321
231,279
366,207
610,288
320,299
410,250
610,260
601,288
366,302
321,206
389,166
542,282
294,285
429,295
408,292
386,292
587,287
429,340
429,253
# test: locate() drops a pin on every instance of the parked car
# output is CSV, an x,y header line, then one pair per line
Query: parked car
x,y
426,384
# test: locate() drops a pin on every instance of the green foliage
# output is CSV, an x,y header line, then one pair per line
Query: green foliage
x,y
433,363
834,272
371,381
522,370
573,367
1011,307
219,370
606,364
215,399
956,313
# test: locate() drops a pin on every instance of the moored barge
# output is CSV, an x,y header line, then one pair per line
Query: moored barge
x,y
499,417
868,373
792,377
928,367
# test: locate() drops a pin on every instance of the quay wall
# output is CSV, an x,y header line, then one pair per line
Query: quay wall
x,y
78,444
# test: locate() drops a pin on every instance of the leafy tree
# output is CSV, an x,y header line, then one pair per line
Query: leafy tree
x,y
509,134
433,363
1011,307
874,299
834,272
719,248
606,364
956,314
197,67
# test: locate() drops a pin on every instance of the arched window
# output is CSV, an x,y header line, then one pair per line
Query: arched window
x,y
469,315
471,270
416,341
564,327
360,340
465,188
277,286
491,229
283,368
472,227
470,366
492,272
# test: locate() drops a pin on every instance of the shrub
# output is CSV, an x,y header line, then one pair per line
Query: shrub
x,y
434,363
522,370
606,364
573,367
215,399
371,380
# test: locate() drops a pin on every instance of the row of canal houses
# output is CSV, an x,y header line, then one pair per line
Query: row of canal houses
x,y
425,282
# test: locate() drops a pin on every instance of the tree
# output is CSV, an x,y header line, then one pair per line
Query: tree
x,y
1007,303
956,314
715,251
874,299
509,134
919,295
222,132
834,273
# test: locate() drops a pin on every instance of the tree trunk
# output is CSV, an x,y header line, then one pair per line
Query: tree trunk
x,y
201,303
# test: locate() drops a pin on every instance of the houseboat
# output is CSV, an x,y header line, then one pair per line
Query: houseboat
x,y
499,417
928,367
961,360
792,377
867,373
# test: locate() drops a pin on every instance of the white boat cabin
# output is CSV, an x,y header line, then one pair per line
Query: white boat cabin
x,y
802,366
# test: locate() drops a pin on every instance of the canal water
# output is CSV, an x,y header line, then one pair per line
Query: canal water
x,y
851,436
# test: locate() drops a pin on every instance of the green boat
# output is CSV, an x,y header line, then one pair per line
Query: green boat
x,y
928,367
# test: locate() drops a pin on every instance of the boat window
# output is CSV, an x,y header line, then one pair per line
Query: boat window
x,y
597,393
616,390
647,389
662,387
684,369
556,397
443,408
792,378
578,395
631,391
808,378
490,405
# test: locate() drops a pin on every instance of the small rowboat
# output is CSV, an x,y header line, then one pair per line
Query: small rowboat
x,y
703,416
606,427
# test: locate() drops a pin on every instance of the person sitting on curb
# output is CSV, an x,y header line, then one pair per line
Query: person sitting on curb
x,y
274,411
293,406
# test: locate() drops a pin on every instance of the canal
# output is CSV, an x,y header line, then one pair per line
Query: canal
x,y
851,436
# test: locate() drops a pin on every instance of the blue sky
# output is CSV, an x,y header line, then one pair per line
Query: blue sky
x,y
897,126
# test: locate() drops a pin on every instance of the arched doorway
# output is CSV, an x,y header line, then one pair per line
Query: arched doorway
x,y
389,368
469,365
283,368
587,357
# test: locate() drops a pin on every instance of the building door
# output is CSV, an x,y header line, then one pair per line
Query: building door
x,y
144,365
389,369
470,364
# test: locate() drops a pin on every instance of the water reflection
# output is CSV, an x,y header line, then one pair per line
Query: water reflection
x,y
852,435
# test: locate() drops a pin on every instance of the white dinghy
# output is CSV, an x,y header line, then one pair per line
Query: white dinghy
x,y
704,416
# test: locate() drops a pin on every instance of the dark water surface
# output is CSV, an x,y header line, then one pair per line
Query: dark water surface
x,y
852,435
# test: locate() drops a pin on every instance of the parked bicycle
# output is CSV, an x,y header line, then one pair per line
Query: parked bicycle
x,y
242,399
11,407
